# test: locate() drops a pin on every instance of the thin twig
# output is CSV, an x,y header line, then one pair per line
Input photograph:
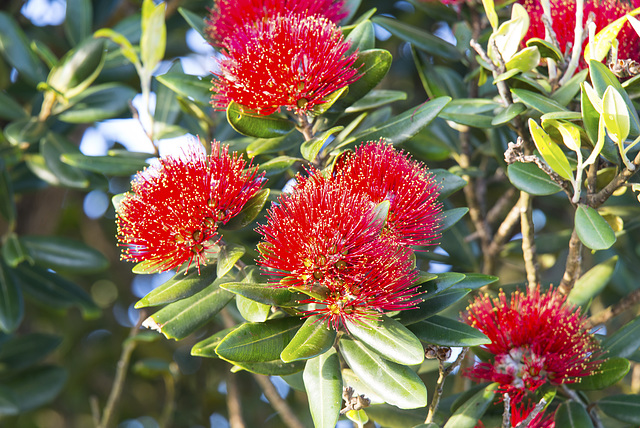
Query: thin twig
x,y
600,198
577,44
444,372
528,243
234,402
277,402
536,410
506,414
603,316
573,265
169,401
505,229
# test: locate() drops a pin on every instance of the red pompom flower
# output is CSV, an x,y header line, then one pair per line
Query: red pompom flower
x,y
535,338
289,61
172,215
386,174
327,241
227,16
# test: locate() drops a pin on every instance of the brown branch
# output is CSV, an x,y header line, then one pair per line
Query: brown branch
x,y
528,243
234,403
573,265
444,372
539,407
600,198
505,229
603,316
277,402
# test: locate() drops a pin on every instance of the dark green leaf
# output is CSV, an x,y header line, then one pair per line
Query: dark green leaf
x,y
108,165
278,165
14,46
188,86
323,384
36,387
78,68
592,229
314,338
254,124
531,179
390,416
228,256
260,146
624,341
195,21
467,415
592,282
625,408
567,92
25,131
51,148
264,293
19,352
374,99
250,211
362,37
10,109
167,112
64,255
11,303
398,384
452,216
609,373
151,368
269,368
258,342
449,183
78,20
432,304
388,338
447,332
537,101
180,286
508,114
468,111
13,252
421,39
310,149
8,405
207,347
97,103
572,414
474,281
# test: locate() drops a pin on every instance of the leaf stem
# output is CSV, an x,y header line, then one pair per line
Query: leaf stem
x,y
443,373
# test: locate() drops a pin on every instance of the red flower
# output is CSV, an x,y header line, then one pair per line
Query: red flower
x,y
327,241
288,61
385,174
228,16
173,213
563,15
521,411
535,338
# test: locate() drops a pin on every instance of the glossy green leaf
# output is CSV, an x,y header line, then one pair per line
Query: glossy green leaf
x,y
264,293
25,131
329,101
167,111
314,338
546,49
469,112
420,38
572,414
310,149
278,165
180,286
592,229
531,179
447,332
154,34
14,47
388,338
179,319
431,304
228,257
249,212
259,146
7,204
10,109
567,92
78,20
78,68
622,407
254,124
376,98
537,101
53,290
615,115
624,341
591,121
362,37
13,252
550,151
398,384
390,416
51,148
452,216
97,103
207,347
36,387
251,310
126,49
188,86
508,114
323,384
19,352
64,255
258,342
268,368
467,415
609,373
11,303
474,281
195,21
591,283
445,281
524,60
108,165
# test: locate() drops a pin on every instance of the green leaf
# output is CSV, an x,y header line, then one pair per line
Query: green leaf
x,y
313,339
36,387
452,216
278,165
398,384
180,286
179,319
13,252
188,86
250,211
524,60
228,256
388,338
154,34
269,368
592,229
251,310
11,303
468,112
207,347
403,126
506,115
527,177
444,281
19,352
572,414
567,92
195,21
374,99
167,111
323,384
362,37
622,407
537,101
258,342
14,47
467,415
78,68
358,417
25,131
546,49
550,151
126,49
474,281
10,109
449,183
78,20
64,255
591,284
421,39
260,146
151,368
432,304
310,149
8,406
97,103
264,293
254,124
615,115
54,291
625,341
108,165
328,101
51,148
447,332
609,373
7,204
390,416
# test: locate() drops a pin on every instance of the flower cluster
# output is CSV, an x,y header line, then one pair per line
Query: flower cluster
x,y
535,338
345,243
563,15
279,54
172,215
